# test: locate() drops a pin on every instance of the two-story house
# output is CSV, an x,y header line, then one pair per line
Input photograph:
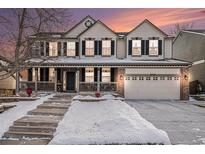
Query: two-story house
x,y
91,57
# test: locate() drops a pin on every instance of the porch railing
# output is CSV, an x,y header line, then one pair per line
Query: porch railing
x,y
92,86
41,85
108,86
88,86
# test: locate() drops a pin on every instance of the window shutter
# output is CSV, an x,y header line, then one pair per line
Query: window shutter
x,y
96,48
76,49
41,74
160,47
65,48
95,74
130,47
142,47
112,74
46,74
83,74
100,74
30,74
42,48
112,47
47,48
83,47
100,47
59,48
147,47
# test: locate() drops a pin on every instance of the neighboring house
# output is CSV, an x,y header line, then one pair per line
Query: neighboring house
x,y
189,45
91,57
7,85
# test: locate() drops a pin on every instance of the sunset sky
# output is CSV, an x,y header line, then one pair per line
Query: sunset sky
x,y
126,19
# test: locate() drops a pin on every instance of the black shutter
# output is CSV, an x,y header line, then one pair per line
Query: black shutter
x,y
96,48
160,47
59,48
130,47
112,74
83,74
100,47
42,48
83,47
76,49
58,74
30,74
65,48
147,47
100,74
142,47
95,74
47,48
46,74
41,74
112,47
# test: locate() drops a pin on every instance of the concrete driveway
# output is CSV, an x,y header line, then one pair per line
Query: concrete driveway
x,y
184,122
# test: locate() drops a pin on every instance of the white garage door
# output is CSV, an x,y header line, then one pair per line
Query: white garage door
x,y
158,86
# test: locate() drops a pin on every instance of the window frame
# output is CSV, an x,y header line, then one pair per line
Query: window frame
x,y
108,47
91,70
157,44
104,76
140,47
86,48
71,49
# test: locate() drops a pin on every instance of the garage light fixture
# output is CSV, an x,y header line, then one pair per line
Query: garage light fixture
x,y
185,77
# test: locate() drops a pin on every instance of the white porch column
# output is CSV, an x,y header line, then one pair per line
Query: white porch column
x,y
77,81
55,79
17,82
36,79
98,80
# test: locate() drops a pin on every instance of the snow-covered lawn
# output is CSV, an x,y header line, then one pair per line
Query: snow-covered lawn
x,y
22,107
106,122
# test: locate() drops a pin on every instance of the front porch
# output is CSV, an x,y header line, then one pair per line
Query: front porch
x,y
86,79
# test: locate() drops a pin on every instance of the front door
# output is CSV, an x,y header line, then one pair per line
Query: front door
x,y
70,81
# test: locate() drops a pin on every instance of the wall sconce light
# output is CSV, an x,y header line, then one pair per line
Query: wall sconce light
x,y
121,77
185,77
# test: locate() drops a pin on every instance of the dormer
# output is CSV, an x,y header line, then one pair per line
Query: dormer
x,y
98,40
146,41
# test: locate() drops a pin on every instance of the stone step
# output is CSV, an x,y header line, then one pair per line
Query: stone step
x,y
53,105
32,129
50,121
22,135
54,112
25,142
58,101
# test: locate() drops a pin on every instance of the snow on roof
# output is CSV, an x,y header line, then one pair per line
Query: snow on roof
x,y
107,61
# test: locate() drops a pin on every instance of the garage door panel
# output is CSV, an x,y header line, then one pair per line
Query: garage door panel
x,y
152,89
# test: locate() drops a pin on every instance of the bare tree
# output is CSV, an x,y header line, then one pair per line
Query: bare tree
x,y
16,27
181,26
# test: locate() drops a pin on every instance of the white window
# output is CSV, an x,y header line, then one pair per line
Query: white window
x,y
89,74
89,48
105,74
153,47
53,49
136,47
106,47
71,49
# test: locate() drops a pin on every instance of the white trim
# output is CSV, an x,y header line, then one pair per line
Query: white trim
x,y
198,62
186,31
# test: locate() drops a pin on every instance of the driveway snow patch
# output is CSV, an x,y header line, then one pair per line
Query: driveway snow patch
x,y
106,122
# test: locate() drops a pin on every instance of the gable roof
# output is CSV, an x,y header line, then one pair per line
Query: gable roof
x,y
81,21
192,31
98,21
149,22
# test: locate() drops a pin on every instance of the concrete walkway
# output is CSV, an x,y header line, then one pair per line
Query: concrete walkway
x,y
183,122
39,125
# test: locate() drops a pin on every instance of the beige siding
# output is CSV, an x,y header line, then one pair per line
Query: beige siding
x,y
79,28
168,48
9,83
121,49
